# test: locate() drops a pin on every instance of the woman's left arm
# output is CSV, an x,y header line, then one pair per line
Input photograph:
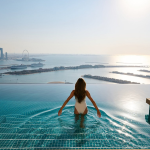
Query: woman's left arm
x,y
64,104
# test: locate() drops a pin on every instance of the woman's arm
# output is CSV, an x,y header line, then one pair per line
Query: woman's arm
x,y
71,95
93,102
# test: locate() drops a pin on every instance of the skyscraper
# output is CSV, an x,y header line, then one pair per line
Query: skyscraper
x,y
2,56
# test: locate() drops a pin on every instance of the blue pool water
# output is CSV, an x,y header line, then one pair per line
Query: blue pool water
x,y
29,117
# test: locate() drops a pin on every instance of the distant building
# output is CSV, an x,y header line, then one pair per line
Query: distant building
x,y
6,55
2,55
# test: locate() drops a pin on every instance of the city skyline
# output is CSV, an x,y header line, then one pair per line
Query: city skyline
x,y
76,27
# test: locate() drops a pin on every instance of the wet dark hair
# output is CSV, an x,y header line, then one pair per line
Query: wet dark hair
x,y
80,92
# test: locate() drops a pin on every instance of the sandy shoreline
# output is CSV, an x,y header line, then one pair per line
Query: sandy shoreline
x,y
59,82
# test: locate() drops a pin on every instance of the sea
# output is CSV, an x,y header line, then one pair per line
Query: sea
x,y
71,76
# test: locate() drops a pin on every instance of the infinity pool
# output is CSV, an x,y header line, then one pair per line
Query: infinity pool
x,y
29,117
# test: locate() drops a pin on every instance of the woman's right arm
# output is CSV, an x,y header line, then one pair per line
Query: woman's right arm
x,y
93,102
64,104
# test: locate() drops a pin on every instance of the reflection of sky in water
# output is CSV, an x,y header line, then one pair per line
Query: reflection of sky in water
x,y
29,112
75,60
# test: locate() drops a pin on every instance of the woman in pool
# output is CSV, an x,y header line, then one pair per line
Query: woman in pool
x,y
80,94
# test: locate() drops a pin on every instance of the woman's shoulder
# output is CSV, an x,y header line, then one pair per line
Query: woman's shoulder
x,y
86,91
73,92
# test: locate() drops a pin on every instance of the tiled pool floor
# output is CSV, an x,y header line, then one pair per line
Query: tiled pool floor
x,y
23,131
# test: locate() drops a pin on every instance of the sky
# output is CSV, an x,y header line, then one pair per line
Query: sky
x,y
104,27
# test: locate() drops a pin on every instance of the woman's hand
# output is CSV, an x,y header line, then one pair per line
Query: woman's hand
x,y
59,112
98,113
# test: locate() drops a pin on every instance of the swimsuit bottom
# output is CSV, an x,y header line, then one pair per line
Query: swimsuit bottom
x,y
80,107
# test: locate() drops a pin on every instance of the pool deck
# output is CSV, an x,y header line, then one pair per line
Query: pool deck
x,y
148,101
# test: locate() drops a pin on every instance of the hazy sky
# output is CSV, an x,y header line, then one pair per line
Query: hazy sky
x,y
75,26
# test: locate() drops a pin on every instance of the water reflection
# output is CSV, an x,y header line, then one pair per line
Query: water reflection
x,y
131,105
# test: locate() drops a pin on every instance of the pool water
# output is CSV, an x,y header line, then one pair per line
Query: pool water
x,y
29,117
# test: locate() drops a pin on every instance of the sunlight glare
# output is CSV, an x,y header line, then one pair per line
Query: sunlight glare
x,y
135,7
132,59
130,104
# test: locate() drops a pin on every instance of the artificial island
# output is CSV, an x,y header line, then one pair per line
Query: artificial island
x,y
132,74
119,81
144,70
40,70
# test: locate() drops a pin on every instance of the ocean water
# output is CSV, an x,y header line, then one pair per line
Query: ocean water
x,y
76,60
29,117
